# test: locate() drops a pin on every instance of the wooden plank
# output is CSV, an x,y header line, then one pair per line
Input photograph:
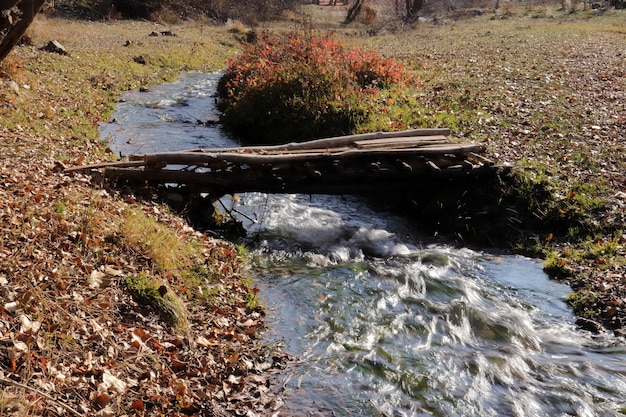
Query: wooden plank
x,y
333,142
206,159
303,151
347,140
408,142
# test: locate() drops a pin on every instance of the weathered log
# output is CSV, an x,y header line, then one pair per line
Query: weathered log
x,y
433,166
334,142
118,164
480,159
207,159
397,142
346,140
384,143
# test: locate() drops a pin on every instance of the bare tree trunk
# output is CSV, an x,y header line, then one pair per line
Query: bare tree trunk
x,y
16,18
413,7
354,10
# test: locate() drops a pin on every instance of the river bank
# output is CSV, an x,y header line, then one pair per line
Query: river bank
x,y
111,305
71,333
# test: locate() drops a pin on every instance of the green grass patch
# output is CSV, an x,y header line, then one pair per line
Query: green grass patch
x,y
557,267
161,244
582,302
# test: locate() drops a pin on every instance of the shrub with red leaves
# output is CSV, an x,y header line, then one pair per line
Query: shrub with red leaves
x,y
291,87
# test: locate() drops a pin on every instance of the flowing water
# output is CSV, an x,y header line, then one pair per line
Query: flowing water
x,y
383,321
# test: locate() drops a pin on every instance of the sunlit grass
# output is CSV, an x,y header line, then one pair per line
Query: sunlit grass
x,y
158,242
81,87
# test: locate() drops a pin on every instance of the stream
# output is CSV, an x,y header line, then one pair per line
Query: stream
x,y
385,321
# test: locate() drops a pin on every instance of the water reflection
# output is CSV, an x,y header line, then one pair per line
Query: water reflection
x,y
169,117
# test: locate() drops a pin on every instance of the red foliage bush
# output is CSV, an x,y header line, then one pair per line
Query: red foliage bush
x,y
295,87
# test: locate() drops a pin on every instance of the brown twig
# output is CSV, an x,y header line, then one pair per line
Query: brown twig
x,y
43,394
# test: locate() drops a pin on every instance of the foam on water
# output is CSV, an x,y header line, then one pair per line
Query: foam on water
x,y
402,329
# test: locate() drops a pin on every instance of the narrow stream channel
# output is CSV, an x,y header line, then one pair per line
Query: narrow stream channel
x,y
384,322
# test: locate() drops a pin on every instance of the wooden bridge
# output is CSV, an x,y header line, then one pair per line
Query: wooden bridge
x,y
341,165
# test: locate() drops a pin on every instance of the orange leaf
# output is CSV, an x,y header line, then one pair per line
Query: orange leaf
x,y
156,346
178,365
138,405
101,400
140,333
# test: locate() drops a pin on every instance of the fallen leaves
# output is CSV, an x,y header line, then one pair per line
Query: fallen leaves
x,y
74,340
69,327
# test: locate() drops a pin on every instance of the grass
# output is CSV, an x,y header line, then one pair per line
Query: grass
x,y
529,88
158,295
161,244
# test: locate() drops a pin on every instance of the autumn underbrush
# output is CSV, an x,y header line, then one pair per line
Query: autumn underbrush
x,y
297,86
111,304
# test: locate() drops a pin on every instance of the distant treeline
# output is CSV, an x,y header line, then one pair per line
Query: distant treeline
x,y
217,10
252,11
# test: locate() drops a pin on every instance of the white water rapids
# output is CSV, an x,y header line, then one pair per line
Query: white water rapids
x,y
383,321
